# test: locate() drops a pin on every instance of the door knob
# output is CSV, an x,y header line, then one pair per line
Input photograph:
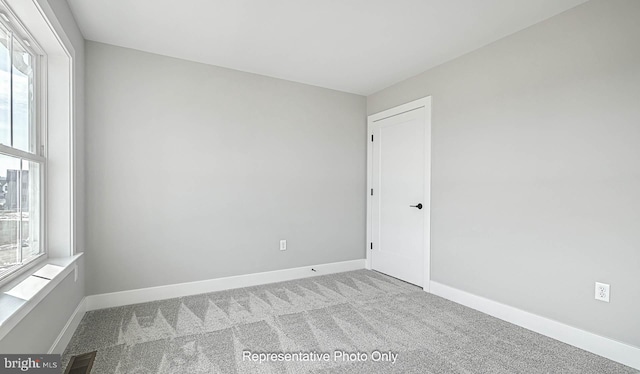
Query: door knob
x,y
419,206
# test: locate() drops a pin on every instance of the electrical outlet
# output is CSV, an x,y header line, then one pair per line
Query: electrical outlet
x,y
602,292
283,245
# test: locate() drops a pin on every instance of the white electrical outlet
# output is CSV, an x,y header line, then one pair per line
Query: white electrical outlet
x,y
283,245
602,292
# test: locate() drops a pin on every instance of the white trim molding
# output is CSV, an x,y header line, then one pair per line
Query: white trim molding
x,y
424,102
22,309
614,350
143,295
69,328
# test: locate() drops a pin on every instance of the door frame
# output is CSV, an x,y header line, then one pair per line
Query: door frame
x,y
426,103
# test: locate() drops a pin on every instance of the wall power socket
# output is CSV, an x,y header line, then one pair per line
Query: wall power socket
x,y
602,292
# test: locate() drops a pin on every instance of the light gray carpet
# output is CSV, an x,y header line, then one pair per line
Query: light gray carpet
x,y
354,311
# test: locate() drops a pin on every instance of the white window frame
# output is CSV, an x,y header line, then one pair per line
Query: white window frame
x,y
11,23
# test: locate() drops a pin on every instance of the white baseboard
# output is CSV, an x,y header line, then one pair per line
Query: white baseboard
x,y
605,347
143,295
65,335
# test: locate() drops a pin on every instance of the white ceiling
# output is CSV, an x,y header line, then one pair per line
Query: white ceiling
x,y
358,46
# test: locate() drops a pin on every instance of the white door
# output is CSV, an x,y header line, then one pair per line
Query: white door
x,y
399,200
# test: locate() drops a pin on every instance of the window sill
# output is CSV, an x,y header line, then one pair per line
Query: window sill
x,y
22,295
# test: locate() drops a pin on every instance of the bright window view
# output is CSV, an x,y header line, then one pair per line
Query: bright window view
x,y
20,167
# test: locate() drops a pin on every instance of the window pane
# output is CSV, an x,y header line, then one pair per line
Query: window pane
x,y
23,118
19,211
9,212
5,89
30,209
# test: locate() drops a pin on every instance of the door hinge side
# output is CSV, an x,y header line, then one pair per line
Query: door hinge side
x,y
371,246
371,137
372,192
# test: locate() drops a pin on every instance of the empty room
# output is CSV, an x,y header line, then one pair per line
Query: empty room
x,y
294,186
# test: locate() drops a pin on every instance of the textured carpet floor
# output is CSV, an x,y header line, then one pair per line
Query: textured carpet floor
x,y
360,311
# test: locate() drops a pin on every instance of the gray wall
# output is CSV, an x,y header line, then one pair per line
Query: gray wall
x,y
39,329
196,172
536,167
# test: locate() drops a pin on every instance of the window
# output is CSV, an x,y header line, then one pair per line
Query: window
x,y
21,164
